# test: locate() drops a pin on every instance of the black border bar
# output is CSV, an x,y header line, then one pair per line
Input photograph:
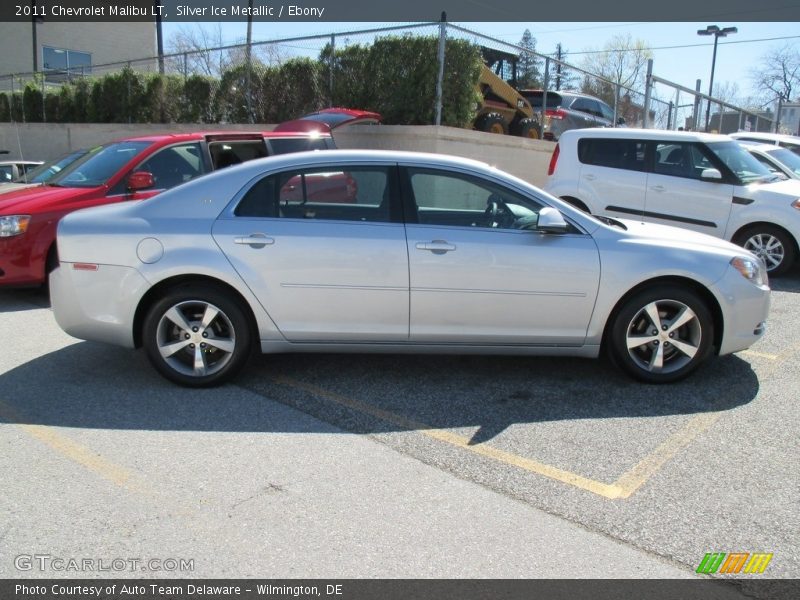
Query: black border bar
x,y
277,11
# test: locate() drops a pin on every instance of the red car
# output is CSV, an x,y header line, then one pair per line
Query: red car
x,y
129,169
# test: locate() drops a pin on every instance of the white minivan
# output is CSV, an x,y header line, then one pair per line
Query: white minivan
x,y
699,181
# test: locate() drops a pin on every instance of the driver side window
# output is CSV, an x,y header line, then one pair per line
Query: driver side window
x,y
452,199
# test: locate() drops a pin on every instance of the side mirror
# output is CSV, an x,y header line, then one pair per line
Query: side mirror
x,y
711,175
140,180
621,121
551,221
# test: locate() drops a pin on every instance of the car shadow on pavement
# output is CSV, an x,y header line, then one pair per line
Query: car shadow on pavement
x,y
14,300
88,385
787,283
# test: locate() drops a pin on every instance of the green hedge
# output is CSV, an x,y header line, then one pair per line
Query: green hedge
x,y
395,76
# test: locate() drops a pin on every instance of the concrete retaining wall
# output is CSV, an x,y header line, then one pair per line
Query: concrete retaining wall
x,y
527,159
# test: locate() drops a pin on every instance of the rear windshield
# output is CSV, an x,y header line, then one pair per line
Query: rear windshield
x,y
554,99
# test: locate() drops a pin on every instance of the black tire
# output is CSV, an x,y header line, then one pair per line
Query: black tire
x,y
681,349
770,243
222,346
527,128
491,123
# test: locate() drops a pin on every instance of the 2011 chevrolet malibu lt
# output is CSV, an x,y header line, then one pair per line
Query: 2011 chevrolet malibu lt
x,y
358,251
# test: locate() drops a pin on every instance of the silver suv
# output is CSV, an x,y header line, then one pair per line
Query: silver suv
x,y
570,110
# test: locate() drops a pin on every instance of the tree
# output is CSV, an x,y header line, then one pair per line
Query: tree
x,y
779,73
529,71
199,52
197,46
562,76
623,61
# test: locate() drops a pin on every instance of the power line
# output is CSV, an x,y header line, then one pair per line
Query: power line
x,y
787,37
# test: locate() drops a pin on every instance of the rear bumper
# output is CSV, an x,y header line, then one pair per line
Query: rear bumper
x,y
97,305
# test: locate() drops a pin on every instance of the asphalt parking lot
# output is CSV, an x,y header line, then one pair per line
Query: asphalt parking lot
x,y
431,453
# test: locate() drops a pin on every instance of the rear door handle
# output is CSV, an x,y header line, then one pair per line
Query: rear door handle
x,y
657,188
255,240
590,177
436,246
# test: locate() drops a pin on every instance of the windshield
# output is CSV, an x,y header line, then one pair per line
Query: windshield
x,y
98,165
744,165
787,158
44,172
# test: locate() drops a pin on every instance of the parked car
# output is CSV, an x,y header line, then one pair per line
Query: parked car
x,y
792,142
129,169
570,110
779,160
435,254
705,182
42,173
14,169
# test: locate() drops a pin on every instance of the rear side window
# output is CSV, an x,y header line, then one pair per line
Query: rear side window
x,y
346,194
226,154
612,153
288,145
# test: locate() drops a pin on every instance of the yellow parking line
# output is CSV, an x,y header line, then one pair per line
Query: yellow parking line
x,y
631,481
72,450
443,435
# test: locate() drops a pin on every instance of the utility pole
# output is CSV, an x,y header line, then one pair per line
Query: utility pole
x,y
559,57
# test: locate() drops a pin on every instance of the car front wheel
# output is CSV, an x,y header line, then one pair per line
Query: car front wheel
x,y
770,244
661,334
196,336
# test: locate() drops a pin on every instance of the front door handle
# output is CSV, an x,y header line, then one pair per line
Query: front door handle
x,y
657,188
254,240
436,246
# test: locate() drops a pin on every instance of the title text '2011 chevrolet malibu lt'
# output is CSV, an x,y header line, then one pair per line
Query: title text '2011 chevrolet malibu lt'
x,y
365,251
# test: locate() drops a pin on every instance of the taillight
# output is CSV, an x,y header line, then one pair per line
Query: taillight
x,y
553,160
555,113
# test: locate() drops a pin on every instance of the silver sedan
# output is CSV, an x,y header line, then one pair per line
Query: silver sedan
x,y
356,251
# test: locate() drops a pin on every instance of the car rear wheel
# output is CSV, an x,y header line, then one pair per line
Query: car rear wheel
x,y
771,244
196,336
661,334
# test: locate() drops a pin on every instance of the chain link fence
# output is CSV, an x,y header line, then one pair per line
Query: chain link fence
x,y
275,80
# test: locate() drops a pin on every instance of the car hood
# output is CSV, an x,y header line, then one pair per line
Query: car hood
x,y
7,188
43,198
676,237
778,190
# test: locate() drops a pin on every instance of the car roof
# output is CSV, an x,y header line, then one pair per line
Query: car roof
x,y
772,137
645,134
20,162
230,133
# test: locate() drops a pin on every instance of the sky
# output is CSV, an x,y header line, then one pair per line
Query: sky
x,y
737,55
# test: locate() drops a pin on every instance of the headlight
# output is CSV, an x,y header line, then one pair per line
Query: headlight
x,y
13,225
754,270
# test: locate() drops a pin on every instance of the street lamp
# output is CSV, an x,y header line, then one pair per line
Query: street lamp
x,y
717,33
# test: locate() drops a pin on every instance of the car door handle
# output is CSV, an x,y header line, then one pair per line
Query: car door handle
x,y
255,240
657,188
436,246
590,177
